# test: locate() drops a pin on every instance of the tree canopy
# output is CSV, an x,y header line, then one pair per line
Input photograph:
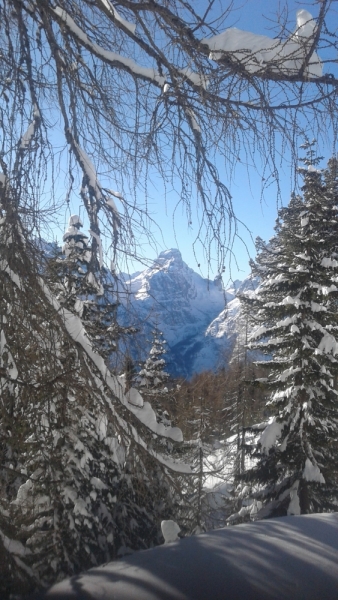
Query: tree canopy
x,y
117,93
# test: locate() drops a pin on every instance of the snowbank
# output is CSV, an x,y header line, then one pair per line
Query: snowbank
x,y
278,559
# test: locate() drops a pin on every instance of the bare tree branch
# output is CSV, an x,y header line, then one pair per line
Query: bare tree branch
x,y
137,90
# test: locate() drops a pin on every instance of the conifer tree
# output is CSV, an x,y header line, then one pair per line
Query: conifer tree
x,y
81,476
152,379
201,404
86,288
200,512
239,408
244,404
296,327
152,375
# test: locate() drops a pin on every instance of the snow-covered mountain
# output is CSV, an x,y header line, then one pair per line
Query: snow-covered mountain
x,y
228,327
198,317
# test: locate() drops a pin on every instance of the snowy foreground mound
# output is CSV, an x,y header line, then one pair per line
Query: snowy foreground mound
x,y
290,558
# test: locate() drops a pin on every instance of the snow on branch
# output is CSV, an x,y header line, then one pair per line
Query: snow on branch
x,y
145,413
111,57
193,120
312,472
110,202
328,345
270,435
93,182
172,464
122,61
194,78
126,24
89,171
14,546
14,277
11,370
257,53
29,134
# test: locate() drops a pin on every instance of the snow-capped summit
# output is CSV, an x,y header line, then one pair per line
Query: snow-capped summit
x,y
170,259
170,276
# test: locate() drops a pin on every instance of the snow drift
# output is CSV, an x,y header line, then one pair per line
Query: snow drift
x,y
278,559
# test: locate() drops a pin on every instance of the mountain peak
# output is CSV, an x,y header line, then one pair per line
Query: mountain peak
x,y
171,253
171,257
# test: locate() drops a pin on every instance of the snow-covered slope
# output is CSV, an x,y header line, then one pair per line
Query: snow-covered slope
x,y
277,559
223,332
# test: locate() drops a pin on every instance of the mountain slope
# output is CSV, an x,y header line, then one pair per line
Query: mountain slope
x,y
224,331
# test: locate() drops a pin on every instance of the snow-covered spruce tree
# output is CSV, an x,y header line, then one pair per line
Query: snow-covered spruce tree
x,y
81,479
152,378
152,375
86,288
296,319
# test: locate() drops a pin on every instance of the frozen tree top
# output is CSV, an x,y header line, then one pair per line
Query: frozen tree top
x,y
75,221
73,229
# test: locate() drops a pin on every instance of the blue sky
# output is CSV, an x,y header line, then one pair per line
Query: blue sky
x,y
256,212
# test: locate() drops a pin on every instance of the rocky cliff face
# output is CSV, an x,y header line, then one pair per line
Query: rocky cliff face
x,y
197,316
